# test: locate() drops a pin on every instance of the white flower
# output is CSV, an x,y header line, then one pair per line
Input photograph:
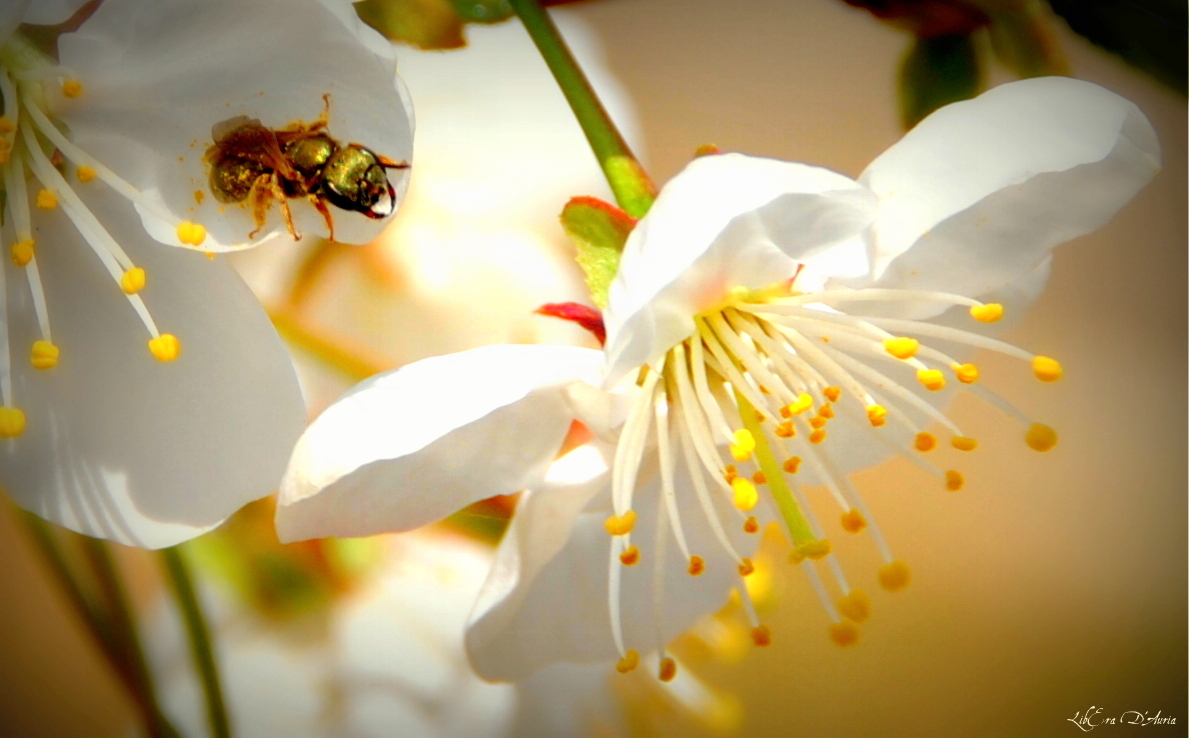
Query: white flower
x,y
780,314
103,149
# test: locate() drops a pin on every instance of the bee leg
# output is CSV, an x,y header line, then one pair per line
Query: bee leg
x,y
320,205
260,198
384,161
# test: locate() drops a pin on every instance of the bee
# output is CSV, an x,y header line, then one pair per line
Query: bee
x,y
258,165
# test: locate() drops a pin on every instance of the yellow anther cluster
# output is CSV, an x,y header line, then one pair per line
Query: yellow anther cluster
x,y
832,393
743,445
697,565
629,662
192,234
44,355
785,429
746,568
22,252
855,606
72,87
668,669
621,525
12,422
630,556
792,464
751,525
46,200
894,576
133,281
963,444
798,406
165,347
954,481
845,633
761,635
84,173
1040,437
877,415
817,436
933,379
1046,369
729,472
966,373
901,347
853,521
988,313
746,496
925,442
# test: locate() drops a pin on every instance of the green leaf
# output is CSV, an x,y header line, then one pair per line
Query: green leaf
x,y
935,72
483,11
598,231
426,24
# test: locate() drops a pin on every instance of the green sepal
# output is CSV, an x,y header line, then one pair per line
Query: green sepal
x,y
937,71
598,231
426,24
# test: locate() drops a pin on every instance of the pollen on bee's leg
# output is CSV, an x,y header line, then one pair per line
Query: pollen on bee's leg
x,y
925,442
165,347
746,496
46,199
85,173
901,347
44,355
22,252
1047,369
844,633
855,606
877,415
963,444
191,234
621,525
133,281
761,635
72,87
697,565
629,662
630,556
1040,437
987,313
12,422
894,576
954,480
966,373
746,568
853,521
932,379
751,525
668,669
743,445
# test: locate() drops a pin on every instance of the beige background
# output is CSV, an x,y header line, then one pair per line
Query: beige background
x,y
1052,583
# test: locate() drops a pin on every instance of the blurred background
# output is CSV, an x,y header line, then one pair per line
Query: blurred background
x,y
1050,584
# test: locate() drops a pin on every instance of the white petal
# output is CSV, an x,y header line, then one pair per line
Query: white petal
x,y
12,14
119,445
980,192
725,221
409,447
545,600
158,76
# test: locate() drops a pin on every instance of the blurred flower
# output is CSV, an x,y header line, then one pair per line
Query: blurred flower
x,y
107,118
753,293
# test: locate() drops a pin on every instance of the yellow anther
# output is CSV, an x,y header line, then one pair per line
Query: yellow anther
x,y
668,669
72,87
853,521
1046,369
967,373
925,442
901,347
761,635
706,150
729,473
877,415
796,557
798,406
192,234
832,393
826,411
84,173
44,355
746,495
6,124
743,445
963,444
988,313
844,634
621,525
12,422
933,379
697,565
751,525
629,662
630,556
815,550
894,576
954,481
817,436
1040,437
165,347
46,200
759,478
746,568
133,281
817,422
792,464
785,429
22,252
855,606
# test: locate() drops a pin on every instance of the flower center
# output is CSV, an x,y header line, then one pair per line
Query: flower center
x,y
765,377
27,133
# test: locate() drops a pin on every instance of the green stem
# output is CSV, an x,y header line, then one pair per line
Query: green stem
x,y
633,189
125,641
200,640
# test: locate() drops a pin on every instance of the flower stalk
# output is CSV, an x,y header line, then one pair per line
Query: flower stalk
x,y
634,190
